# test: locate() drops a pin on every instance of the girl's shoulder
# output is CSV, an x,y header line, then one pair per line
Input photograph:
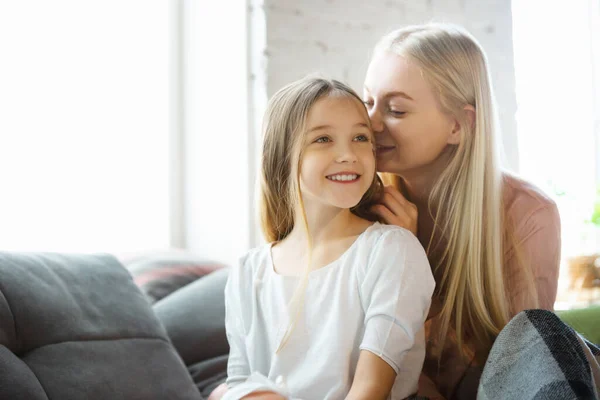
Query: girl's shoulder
x,y
389,253
389,240
378,233
250,265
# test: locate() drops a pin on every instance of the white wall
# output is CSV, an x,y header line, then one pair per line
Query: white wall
x,y
336,38
286,40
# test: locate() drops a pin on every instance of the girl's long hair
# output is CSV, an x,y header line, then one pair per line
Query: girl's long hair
x,y
284,130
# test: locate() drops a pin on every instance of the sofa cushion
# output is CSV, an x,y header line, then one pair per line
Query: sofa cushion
x,y
194,318
160,274
77,327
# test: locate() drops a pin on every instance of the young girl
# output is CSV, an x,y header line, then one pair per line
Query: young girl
x,y
334,306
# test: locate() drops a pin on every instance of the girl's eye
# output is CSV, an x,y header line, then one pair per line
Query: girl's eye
x,y
368,103
323,139
362,138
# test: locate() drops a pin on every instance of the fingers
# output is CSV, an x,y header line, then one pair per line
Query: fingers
x,y
394,209
395,193
385,214
402,220
392,204
409,208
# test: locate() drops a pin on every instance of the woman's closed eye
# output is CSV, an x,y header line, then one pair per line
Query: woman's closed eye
x,y
396,112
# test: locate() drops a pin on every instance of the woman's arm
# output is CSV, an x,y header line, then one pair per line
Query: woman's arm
x,y
373,379
428,389
536,247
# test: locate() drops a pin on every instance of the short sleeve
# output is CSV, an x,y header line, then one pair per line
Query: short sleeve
x,y
396,292
238,368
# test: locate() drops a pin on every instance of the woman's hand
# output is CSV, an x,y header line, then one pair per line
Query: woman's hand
x,y
394,209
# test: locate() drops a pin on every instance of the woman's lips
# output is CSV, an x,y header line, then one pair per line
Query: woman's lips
x,y
381,149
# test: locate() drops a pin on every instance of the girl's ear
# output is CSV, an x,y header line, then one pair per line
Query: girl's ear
x,y
469,111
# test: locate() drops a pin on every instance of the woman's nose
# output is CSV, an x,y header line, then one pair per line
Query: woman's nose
x,y
376,122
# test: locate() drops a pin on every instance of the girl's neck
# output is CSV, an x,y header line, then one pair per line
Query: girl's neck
x,y
324,224
331,234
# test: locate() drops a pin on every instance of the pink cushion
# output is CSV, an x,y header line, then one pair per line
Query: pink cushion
x,y
160,274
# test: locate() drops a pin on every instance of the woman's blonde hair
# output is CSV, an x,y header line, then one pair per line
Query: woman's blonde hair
x,y
284,128
466,201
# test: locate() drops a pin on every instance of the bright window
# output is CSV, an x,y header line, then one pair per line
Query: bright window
x,y
84,132
557,68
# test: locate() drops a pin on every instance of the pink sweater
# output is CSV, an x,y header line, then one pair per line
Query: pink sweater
x,y
537,235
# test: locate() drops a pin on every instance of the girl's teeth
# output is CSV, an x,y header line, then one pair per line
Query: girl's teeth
x,y
343,177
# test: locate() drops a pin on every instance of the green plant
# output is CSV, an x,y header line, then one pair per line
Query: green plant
x,y
595,217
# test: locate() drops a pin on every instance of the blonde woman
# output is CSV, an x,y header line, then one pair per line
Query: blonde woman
x,y
492,239
334,305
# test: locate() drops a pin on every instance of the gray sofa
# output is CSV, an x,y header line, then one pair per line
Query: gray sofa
x,y
77,327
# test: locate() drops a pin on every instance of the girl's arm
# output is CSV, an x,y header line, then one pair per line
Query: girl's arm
x,y
220,391
238,369
263,396
237,295
395,289
373,379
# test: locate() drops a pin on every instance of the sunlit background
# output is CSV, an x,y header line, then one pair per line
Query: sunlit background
x,y
129,126
557,68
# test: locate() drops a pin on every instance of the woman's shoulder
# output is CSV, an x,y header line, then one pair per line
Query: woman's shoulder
x,y
524,201
535,242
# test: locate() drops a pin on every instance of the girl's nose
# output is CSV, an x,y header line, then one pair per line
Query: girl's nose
x,y
346,155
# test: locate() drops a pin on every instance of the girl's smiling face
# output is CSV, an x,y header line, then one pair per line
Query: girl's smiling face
x,y
338,162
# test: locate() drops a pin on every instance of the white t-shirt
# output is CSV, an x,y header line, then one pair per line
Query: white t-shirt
x,y
374,297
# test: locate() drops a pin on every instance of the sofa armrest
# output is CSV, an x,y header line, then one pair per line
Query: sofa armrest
x,y
194,317
78,327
